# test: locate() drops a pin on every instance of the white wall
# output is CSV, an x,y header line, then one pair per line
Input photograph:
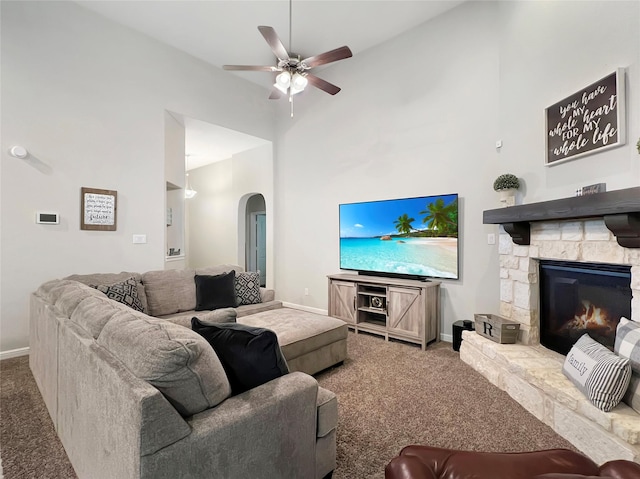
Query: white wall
x,y
217,223
421,114
548,51
417,115
87,98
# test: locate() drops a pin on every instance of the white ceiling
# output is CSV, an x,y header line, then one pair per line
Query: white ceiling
x,y
225,32
206,143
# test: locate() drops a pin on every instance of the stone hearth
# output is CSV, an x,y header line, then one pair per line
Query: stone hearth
x,y
530,373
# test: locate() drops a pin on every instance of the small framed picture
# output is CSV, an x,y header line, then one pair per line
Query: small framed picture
x,y
98,209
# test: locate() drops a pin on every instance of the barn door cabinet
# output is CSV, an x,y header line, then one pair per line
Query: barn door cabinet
x,y
408,310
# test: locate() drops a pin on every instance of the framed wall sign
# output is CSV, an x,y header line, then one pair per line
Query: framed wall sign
x,y
98,209
589,121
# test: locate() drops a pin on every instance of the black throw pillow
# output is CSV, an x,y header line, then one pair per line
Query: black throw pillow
x,y
215,292
250,356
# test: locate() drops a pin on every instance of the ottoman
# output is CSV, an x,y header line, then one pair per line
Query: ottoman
x,y
310,342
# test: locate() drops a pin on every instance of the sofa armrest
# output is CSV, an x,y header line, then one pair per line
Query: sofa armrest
x,y
267,294
266,432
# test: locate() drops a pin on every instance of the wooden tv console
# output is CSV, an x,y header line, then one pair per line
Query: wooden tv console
x,y
403,309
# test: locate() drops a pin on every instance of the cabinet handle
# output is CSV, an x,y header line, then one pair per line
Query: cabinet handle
x,y
354,303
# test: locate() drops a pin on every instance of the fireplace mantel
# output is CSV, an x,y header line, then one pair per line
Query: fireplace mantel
x,y
620,210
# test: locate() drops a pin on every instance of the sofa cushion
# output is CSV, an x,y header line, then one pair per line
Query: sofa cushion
x,y
112,278
177,361
247,286
70,294
327,412
250,356
170,291
125,292
94,312
215,291
599,374
222,315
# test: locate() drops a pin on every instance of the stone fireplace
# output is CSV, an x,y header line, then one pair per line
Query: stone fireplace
x,y
587,241
602,230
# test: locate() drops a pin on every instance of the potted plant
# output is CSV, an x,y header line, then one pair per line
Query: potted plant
x,y
638,146
507,185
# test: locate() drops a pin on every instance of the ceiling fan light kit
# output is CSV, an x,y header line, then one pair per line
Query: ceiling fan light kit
x,y
294,76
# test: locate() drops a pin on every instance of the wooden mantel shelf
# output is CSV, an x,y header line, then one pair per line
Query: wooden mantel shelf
x,y
620,210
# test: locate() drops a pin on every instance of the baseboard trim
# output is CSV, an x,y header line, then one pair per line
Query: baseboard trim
x,y
308,309
448,338
14,353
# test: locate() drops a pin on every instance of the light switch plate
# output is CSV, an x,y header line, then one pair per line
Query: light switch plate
x,y
139,239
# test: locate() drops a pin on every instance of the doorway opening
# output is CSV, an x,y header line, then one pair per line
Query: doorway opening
x,y
256,244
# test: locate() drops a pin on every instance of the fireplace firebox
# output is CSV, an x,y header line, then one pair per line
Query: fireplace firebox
x,y
578,298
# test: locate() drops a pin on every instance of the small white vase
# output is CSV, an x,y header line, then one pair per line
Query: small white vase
x,y
508,197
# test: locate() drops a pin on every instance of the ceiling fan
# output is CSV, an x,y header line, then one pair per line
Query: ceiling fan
x,y
293,72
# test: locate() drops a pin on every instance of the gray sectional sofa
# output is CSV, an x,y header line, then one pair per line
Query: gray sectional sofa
x,y
139,395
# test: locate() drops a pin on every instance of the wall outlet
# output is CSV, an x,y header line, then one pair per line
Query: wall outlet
x,y
306,291
139,239
491,238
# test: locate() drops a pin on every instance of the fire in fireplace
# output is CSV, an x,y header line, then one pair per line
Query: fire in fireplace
x,y
578,298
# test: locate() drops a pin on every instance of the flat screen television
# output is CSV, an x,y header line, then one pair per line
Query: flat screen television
x,y
406,237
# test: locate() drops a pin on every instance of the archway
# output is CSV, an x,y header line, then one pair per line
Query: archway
x,y
256,236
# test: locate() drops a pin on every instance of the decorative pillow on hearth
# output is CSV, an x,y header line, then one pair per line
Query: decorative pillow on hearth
x,y
248,288
125,292
599,374
627,342
628,345
215,291
250,356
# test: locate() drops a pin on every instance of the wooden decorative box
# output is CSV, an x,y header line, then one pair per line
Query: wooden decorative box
x,y
496,328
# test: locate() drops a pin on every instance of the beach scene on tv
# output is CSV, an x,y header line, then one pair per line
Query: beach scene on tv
x,y
409,236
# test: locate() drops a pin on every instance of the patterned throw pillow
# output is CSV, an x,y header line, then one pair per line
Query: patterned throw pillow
x,y
627,345
248,288
627,342
599,374
125,292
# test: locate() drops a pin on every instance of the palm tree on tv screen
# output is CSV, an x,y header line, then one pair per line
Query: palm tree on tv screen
x,y
403,224
441,218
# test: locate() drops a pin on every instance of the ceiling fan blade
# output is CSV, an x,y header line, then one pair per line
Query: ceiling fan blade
x,y
275,94
251,68
328,57
274,42
324,85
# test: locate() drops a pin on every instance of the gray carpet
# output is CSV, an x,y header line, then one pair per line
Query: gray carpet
x,y
390,394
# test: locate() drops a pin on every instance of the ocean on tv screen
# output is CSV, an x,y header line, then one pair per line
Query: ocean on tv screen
x,y
435,257
409,236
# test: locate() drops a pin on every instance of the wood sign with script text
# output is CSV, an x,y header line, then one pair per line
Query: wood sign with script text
x,y
98,210
588,121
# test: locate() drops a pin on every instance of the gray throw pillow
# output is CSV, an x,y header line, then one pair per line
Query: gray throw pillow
x,y
174,359
247,285
599,374
627,345
627,342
